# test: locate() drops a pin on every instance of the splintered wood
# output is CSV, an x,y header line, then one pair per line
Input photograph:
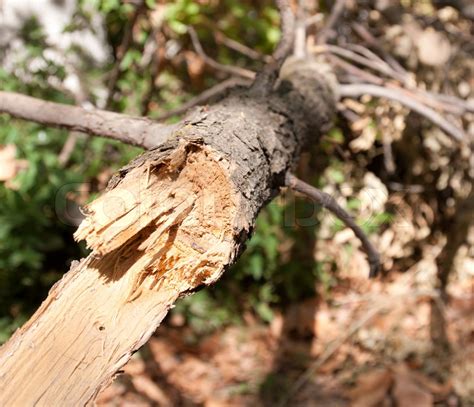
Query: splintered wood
x,y
171,223
160,232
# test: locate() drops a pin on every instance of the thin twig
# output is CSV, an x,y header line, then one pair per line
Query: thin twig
x,y
376,65
429,99
267,77
287,27
122,51
137,131
356,71
358,90
372,41
388,159
411,189
154,71
299,49
360,49
447,103
233,70
328,202
205,96
336,13
81,98
241,48
68,148
314,19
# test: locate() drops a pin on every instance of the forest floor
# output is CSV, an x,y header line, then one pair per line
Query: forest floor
x,y
369,345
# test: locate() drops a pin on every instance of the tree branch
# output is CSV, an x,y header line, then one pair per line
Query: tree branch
x,y
365,34
336,13
170,222
299,47
354,70
394,94
137,131
233,70
267,77
123,49
287,28
205,96
328,202
243,49
155,65
373,63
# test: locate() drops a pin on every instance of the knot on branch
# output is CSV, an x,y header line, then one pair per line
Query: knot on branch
x,y
310,89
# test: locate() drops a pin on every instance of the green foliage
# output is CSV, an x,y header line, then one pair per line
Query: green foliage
x,y
206,311
31,239
244,21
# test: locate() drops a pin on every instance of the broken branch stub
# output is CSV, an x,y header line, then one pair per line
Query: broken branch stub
x,y
171,221
169,218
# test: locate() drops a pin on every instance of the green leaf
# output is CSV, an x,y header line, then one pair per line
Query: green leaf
x,y
256,266
336,135
273,35
192,9
178,27
264,311
336,175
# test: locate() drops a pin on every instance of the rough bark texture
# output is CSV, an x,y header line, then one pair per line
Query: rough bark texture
x,y
171,221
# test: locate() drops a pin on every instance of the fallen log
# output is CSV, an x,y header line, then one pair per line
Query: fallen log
x,y
170,222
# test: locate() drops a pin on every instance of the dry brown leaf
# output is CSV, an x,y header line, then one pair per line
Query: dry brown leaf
x,y
334,363
195,65
111,393
326,327
433,386
277,325
407,391
463,370
163,353
10,165
300,318
195,378
131,400
365,141
135,366
371,388
244,355
151,390
360,124
217,402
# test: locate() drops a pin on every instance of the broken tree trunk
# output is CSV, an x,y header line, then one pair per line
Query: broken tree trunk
x,y
170,222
